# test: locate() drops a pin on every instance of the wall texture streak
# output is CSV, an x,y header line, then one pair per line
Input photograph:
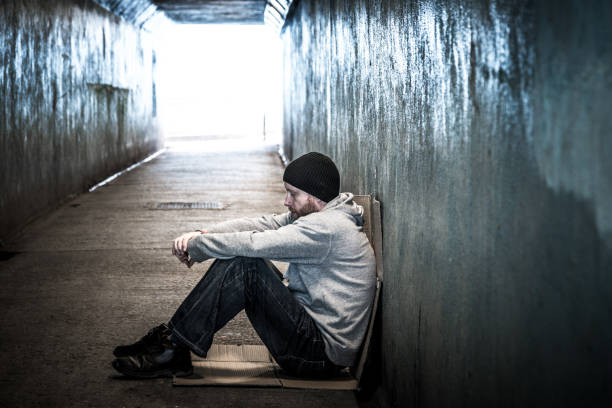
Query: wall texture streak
x,y
484,128
75,102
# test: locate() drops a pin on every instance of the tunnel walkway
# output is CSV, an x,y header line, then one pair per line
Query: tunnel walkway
x,y
98,271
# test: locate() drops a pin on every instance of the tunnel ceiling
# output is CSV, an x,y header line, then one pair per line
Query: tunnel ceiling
x,y
142,12
213,11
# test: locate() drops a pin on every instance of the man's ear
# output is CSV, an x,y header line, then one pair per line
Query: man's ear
x,y
319,204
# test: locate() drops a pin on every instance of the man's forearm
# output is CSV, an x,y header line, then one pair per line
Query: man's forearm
x,y
288,244
263,223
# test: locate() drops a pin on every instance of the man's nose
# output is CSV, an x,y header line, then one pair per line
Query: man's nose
x,y
287,203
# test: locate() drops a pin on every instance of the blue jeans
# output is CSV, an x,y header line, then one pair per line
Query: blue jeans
x,y
252,284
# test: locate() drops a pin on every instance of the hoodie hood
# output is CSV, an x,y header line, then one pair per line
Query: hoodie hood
x,y
344,202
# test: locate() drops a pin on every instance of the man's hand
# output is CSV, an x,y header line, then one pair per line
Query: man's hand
x,y
183,257
180,243
179,247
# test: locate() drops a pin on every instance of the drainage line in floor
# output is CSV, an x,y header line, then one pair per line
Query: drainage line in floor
x,y
133,166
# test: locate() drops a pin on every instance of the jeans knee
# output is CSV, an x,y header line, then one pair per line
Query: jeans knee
x,y
250,267
237,260
229,269
245,259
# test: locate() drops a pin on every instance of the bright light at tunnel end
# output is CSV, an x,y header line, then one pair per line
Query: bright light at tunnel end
x,y
219,81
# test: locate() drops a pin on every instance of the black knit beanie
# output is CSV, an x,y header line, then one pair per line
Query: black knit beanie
x,y
315,174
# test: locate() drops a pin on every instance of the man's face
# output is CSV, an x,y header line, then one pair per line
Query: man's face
x,y
299,202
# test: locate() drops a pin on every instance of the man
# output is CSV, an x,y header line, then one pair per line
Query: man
x,y
313,326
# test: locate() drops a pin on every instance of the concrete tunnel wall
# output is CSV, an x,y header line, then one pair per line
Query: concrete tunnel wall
x,y
76,96
484,128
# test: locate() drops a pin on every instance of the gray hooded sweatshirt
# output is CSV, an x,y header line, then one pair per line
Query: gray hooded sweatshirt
x,y
332,270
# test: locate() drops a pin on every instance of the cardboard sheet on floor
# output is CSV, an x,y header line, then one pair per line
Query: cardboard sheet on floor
x,y
253,366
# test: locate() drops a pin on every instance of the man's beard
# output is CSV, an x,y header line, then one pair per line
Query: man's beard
x,y
308,208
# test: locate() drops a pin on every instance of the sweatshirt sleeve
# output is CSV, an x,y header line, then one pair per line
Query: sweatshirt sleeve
x,y
300,242
263,223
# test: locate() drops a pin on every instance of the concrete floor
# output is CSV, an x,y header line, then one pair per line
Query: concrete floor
x,y
98,272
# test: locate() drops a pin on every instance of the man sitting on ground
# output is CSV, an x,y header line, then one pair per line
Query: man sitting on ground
x,y
314,326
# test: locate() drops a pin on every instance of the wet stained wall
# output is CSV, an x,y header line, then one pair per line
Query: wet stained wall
x,y
484,128
76,100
